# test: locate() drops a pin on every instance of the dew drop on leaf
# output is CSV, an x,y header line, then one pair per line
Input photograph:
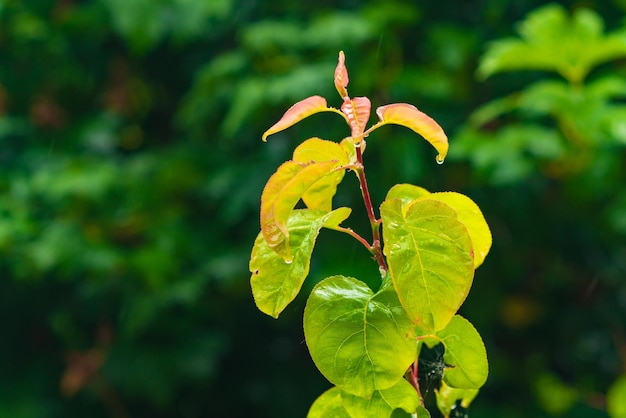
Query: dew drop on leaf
x,y
439,159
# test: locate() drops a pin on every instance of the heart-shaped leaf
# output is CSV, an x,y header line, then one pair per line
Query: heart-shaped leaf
x,y
429,253
360,341
406,193
320,195
469,214
465,354
409,116
280,195
275,283
383,402
297,112
328,405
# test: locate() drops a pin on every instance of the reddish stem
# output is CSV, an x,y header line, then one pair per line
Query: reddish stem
x,y
376,247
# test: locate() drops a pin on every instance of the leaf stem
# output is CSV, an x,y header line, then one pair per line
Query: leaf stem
x,y
376,247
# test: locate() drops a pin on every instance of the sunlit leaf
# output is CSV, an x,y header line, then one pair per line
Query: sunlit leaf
x,y
299,111
275,283
328,405
383,402
469,214
341,76
409,116
280,195
465,355
429,255
320,195
615,398
360,341
357,111
336,217
406,193
447,398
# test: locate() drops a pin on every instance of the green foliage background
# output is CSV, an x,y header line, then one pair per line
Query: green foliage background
x,y
131,168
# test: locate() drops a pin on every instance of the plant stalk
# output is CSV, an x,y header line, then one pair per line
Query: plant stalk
x,y
374,222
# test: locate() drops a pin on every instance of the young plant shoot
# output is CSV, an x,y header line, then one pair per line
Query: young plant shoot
x,y
426,247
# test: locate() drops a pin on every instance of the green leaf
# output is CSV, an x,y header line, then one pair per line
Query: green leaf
x,y
280,195
616,398
447,398
406,193
429,253
275,283
328,405
320,195
465,355
409,116
360,341
297,112
554,396
554,41
383,402
469,214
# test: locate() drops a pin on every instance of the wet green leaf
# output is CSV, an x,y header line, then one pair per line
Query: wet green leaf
x,y
275,283
429,253
469,214
465,355
447,398
328,405
383,402
360,341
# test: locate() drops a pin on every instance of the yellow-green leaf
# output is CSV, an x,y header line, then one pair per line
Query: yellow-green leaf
x,y
615,405
275,283
383,402
360,341
447,398
409,116
429,253
469,214
297,112
320,195
328,405
406,193
464,354
280,195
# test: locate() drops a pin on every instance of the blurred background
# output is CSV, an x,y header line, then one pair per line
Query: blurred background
x,y
131,168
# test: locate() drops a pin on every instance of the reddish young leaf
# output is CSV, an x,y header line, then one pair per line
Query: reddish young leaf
x,y
357,111
299,111
408,115
341,76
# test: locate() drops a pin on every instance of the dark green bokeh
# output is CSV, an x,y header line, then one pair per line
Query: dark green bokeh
x,y
131,169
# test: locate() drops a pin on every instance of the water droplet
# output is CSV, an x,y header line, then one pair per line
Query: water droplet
x,y
439,159
289,260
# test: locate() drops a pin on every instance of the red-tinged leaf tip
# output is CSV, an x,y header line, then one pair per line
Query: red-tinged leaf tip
x,y
409,116
341,76
297,112
357,111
